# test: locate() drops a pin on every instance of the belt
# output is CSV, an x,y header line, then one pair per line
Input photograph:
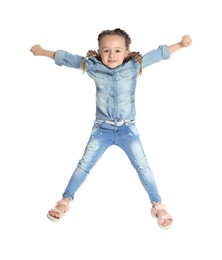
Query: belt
x,y
119,123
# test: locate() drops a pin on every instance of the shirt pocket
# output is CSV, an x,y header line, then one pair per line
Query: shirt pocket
x,y
127,73
100,75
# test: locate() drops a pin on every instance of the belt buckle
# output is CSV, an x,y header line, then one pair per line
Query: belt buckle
x,y
120,123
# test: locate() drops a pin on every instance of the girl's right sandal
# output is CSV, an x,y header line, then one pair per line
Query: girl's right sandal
x,y
61,213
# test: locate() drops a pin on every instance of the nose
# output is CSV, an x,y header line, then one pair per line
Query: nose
x,y
111,54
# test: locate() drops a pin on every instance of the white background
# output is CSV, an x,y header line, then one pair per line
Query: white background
x,y
46,115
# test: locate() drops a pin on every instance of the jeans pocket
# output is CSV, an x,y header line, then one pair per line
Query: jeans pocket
x,y
97,124
131,123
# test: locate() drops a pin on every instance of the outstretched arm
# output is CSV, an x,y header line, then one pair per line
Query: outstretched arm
x,y
185,42
37,50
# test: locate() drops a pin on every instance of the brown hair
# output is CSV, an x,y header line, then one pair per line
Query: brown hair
x,y
132,55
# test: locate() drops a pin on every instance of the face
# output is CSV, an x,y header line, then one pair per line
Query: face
x,y
113,50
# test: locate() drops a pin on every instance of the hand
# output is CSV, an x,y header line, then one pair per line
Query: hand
x,y
37,50
186,41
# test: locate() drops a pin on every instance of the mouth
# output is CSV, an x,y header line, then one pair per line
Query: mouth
x,y
111,61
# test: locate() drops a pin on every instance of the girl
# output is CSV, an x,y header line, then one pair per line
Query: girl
x,y
114,70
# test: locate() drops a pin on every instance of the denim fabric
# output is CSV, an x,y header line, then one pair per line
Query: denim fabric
x,y
102,137
115,101
115,88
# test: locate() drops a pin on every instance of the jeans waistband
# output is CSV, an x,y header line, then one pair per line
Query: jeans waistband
x,y
119,123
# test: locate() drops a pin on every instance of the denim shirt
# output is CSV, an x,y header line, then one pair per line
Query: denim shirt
x,y
115,88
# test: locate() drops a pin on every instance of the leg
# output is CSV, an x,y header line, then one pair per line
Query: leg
x,y
129,141
100,139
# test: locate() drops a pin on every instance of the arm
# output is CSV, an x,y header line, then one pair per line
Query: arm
x,y
164,51
37,50
60,57
185,42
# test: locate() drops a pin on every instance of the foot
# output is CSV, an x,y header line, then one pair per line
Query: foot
x,y
59,210
164,219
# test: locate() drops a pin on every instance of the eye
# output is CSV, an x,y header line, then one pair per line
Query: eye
x,y
118,51
105,51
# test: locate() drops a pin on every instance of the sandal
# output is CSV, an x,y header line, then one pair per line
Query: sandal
x,y
160,219
61,214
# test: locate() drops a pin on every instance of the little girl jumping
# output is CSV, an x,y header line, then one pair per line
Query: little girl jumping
x,y
114,69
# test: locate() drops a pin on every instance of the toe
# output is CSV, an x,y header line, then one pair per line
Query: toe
x,y
166,223
54,214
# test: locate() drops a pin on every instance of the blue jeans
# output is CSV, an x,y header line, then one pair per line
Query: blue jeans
x,y
128,139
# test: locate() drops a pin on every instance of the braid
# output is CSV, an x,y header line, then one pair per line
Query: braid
x,y
136,56
116,31
89,54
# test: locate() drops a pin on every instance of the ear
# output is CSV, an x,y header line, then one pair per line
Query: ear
x,y
127,53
